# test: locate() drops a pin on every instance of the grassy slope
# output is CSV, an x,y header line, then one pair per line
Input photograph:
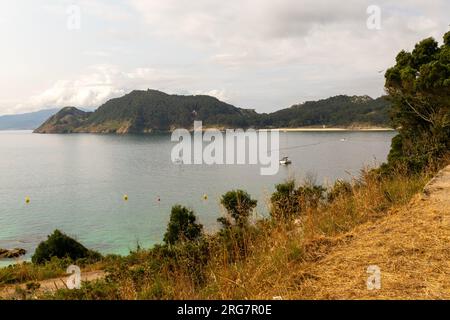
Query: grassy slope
x,y
323,255
410,246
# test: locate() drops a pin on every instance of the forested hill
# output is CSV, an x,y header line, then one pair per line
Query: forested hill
x,y
147,111
338,111
151,110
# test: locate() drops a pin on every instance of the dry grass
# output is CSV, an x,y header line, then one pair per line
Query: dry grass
x,y
324,254
410,245
285,257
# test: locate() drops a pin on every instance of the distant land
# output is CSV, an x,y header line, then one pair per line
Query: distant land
x,y
155,111
25,121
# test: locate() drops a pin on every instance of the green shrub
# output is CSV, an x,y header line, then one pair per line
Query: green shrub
x,y
419,88
62,246
94,290
182,226
288,202
284,201
340,188
239,206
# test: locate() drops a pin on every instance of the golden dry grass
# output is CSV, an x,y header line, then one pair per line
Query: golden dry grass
x,y
324,254
410,245
321,260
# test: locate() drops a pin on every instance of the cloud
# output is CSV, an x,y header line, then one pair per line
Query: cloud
x,y
97,53
313,48
222,94
99,9
261,54
99,84
270,33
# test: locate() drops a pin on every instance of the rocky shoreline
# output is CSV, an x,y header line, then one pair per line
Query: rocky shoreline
x,y
11,254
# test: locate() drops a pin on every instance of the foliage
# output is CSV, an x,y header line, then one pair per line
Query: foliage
x,y
341,188
62,246
419,87
239,262
284,201
335,111
182,226
153,111
27,271
66,120
289,202
239,206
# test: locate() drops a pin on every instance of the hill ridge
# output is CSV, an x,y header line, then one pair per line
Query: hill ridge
x,y
143,111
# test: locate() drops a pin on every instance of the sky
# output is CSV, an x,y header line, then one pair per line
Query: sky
x,y
258,54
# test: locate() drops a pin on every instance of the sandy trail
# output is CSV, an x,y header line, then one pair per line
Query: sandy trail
x,y
50,285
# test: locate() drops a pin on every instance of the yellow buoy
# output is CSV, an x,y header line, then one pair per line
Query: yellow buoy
x,y
125,197
205,197
27,199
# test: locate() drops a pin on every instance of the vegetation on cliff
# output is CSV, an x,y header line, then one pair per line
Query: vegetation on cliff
x,y
419,87
338,111
151,110
148,111
61,246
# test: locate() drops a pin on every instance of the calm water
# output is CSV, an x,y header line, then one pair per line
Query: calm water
x,y
76,183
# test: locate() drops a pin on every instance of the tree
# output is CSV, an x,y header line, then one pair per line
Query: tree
x,y
284,201
239,205
61,246
419,87
182,226
289,202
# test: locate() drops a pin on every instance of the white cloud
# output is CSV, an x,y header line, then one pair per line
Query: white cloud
x,y
99,84
100,9
261,54
97,53
222,94
266,32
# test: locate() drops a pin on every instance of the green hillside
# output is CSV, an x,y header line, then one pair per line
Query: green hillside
x,y
153,111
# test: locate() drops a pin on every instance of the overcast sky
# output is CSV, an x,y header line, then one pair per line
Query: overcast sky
x,y
260,54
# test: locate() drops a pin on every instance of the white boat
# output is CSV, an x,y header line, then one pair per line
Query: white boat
x,y
285,161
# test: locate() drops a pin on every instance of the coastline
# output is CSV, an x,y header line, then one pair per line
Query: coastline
x,y
303,129
222,129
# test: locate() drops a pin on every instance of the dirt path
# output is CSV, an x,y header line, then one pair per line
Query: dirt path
x,y
411,247
10,291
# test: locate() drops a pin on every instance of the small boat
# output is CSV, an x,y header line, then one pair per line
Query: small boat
x,y
285,161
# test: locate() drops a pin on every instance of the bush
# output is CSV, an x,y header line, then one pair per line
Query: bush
x,y
340,188
289,202
62,246
239,205
182,226
284,201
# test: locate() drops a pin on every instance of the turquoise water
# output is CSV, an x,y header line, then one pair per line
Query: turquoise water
x,y
76,183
